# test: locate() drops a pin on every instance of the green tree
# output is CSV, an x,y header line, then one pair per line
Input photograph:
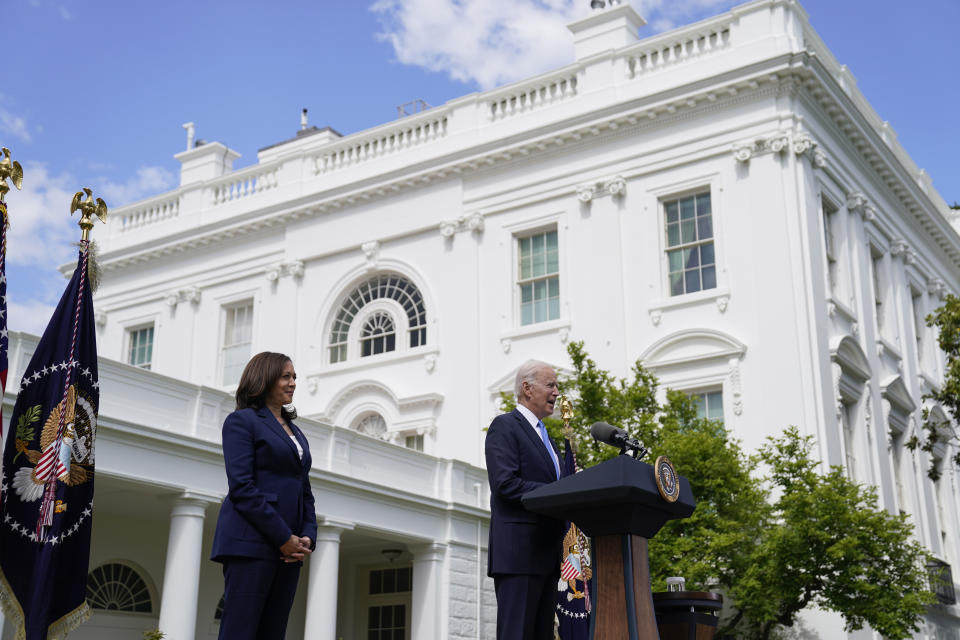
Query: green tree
x,y
937,431
829,544
823,541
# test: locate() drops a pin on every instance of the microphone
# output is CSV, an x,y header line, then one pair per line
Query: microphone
x,y
617,437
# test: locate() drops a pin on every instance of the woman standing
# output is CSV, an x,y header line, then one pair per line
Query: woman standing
x,y
267,522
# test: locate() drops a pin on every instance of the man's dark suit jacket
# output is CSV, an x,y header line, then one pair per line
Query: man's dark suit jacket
x,y
521,542
269,496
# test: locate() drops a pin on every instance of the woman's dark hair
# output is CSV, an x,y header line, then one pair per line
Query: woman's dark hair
x,y
258,378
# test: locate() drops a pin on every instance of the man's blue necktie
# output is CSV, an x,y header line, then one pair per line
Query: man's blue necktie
x,y
546,443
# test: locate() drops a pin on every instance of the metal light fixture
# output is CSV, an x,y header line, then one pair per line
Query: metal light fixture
x,y
391,554
597,4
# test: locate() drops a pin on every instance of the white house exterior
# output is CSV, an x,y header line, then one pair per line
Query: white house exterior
x,y
719,200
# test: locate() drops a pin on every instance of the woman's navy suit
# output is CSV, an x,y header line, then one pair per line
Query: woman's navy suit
x,y
268,500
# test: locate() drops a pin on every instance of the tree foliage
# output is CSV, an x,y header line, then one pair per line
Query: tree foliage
x,y
937,431
823,541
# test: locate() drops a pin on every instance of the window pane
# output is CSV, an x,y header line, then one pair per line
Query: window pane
x,y
687,210
673,211
389,581
526,293
673,235
692,281
691,258
688,231
676,284
705,227
403,575
537,288
526,313
675,258
703,204
706,253
709,277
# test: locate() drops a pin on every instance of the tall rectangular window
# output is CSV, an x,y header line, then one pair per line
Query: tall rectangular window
x,y
539,277
876,274
237,337
919,324
140,347
849,439
709,405
690,251
829,212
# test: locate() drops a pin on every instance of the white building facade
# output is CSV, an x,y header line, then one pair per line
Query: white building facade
x,y
720,201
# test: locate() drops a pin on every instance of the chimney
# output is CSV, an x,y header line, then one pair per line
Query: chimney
x,y
605,28
205,161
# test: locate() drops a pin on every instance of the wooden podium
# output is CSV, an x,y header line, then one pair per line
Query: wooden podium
x,y
618,505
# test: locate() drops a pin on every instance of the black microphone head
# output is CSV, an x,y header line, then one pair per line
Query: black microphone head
x,y
606,433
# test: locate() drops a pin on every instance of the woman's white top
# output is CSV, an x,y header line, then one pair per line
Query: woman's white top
x,y
296,443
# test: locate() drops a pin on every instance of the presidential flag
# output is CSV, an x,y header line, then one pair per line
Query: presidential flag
x,y
573,589
48,471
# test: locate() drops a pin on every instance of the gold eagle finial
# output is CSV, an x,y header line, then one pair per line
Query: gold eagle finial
x,y
9,168
88,208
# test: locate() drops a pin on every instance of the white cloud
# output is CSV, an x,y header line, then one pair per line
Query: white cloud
x,y
14,126
40,227
64,12
31,316
493,42
146,182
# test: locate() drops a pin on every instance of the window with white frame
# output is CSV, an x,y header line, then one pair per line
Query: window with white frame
x,y
879,292
830,240
709,404
919,324
691,259
388,603
378,334
848,425
414,441
538,277
380,329
237,340
115,586
140,347
371,424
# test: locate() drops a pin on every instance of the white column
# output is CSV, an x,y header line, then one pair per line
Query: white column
x,y
323,582
427,590
181,574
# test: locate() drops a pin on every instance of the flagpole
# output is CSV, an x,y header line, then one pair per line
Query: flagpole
x,y
9,169
50,468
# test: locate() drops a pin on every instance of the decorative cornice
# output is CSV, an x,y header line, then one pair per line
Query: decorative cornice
x,y
779,143
292,268
187,294
472,223
615,187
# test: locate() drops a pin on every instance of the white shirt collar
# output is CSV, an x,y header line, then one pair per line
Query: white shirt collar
x,y
532,419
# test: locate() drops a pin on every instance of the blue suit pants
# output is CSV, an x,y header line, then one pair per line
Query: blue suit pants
x,y
257,598
525,605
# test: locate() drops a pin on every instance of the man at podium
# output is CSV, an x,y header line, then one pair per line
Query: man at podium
x,y
525,547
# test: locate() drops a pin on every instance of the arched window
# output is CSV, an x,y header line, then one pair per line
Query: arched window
x,y
388,286
371,424
118,587
378,335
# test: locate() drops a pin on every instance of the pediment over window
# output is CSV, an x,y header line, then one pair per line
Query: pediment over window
x,y
846,352
895,391
371,396
692,346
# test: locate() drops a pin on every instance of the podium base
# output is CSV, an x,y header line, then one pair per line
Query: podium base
x,y
623,605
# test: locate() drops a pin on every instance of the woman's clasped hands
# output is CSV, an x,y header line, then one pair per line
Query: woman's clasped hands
x,y
296,549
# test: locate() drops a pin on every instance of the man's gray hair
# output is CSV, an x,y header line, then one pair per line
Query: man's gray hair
x,y
527,373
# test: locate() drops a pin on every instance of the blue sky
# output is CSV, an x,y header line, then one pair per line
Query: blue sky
x,y
94,92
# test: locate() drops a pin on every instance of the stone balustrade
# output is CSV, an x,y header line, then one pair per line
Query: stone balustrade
x,y
150,211
244,183
383,141
674,48
541,93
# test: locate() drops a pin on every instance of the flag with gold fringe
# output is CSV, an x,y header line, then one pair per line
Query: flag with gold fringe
x,y
48,471
4,341
573,589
